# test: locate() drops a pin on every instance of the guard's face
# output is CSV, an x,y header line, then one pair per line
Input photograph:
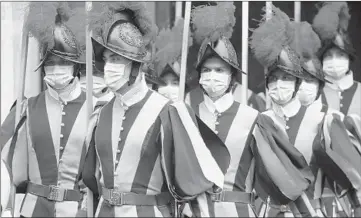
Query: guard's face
x,y
116,70
53,60
171,89
335,63
281,75
216,76
335,53
281,87
58,72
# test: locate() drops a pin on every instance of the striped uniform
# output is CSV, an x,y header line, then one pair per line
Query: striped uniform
x,y
258,102
233,123
344,97
132,138
302,126
48,148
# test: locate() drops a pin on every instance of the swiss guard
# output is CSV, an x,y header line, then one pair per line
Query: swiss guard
x,y
232,122
337,54
303,134
47,150
196,95
144,151
168,48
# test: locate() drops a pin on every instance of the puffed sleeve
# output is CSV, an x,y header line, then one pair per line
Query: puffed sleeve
x,y
281,171
193,158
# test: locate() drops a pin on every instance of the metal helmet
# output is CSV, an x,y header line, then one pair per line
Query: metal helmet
x,y
125,28
59,28
213,26
331,24
273,45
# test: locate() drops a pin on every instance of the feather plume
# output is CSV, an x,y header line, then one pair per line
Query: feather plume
x,y
77,23
102,13
308,42
43,16
331,19
213,21
268,40
168,45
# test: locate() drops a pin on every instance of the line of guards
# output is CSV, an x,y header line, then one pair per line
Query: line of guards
x,y
141,152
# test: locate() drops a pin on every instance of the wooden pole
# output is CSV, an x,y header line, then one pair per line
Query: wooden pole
x,y
20,92
178,11
245,17
89,95
268,16
297,11
184,50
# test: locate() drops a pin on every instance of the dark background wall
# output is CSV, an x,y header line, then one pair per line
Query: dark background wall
x,y
308,11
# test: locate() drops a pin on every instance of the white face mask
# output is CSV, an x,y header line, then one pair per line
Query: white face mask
x,y
215,84
58,77
336,68
308,92
116,75
170,91
98,86
281,91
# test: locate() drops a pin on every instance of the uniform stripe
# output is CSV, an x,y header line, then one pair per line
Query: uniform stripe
x,y
42,139
348,96
130,115
74,150
129,161
103,144
236,140
54,115
226,120
208,164
355,104
149,155
244,164
207,117
28,208
304,132
44,208
332,98
34,167
72,110
105,210
294,124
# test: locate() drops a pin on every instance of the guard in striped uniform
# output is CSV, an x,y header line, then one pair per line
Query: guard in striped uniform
x,y
47,150
144,151
168,48
233,122
196,95
310,130
337,52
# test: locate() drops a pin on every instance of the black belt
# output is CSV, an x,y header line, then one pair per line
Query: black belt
x,y
233,196
54,193
117,198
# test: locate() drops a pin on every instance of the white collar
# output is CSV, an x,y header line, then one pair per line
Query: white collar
x,y
342,84
107,97
69,93
135,94
220,105
288,110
